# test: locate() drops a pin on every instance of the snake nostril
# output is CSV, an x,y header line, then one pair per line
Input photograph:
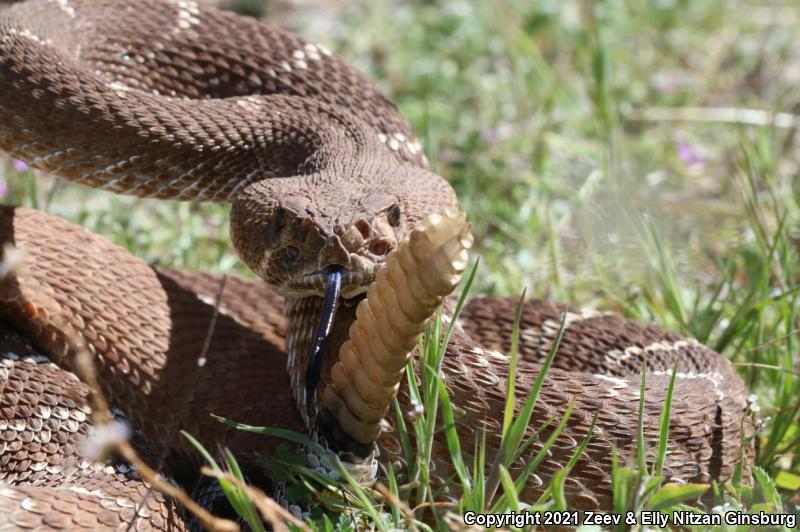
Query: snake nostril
x,y
379,247
364,228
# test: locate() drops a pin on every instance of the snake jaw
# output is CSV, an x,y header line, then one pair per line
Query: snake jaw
x,y
353,283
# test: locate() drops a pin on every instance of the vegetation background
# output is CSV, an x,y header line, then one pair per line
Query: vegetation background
x,y
637,156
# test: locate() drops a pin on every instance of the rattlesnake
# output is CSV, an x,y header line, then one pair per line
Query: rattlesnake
x,y
168,99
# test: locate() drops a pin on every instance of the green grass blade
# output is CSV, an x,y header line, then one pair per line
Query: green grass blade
x,y
453,443
511,442
640,443
393,489
202,450
672,494
556,489
479,473
520,424
462,299
768,487
509,489
402,432
243,504
531,466
238,499
663,435
508,413
582,447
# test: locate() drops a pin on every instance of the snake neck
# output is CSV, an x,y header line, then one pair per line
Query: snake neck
x,y
302,319
303,315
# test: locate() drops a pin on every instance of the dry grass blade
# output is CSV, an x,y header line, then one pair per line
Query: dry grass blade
x,y
202,359
273,513
775,341
101,414
725,115
394,501
765,366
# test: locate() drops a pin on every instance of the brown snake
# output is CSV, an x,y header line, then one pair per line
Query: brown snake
x,y
169,99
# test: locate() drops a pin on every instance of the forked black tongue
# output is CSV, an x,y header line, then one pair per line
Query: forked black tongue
x,y
333,287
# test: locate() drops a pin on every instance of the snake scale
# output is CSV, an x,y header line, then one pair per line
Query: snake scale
x,y
331,202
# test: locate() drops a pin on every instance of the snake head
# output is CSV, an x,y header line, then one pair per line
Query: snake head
x,y
318,240
290,230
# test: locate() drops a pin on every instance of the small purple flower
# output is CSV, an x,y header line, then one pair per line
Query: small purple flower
x,y
670,81
689,155
3,189
489,135
666,82
20,166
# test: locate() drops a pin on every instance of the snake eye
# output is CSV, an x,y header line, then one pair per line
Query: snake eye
x,y
292,253
379,247
393,215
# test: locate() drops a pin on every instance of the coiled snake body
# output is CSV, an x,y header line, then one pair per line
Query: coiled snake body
x,y
171,100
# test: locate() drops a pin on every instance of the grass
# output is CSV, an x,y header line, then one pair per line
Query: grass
x,y
416,503
591,146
